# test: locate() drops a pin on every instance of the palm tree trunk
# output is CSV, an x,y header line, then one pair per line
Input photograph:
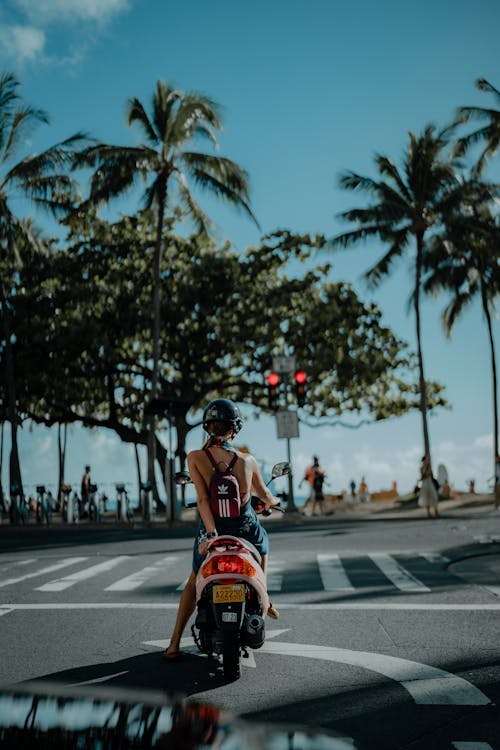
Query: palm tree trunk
x,y
14,466
1,465
494,373
139,476
61,444
421,377
156,334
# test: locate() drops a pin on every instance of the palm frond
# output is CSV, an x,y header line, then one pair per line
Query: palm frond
x,y
222,176
387,167
349,239
151,194
453,311
483,85
195,115
137,113
383,266
203,224
353,181
21,119
59,157
8,92
165,101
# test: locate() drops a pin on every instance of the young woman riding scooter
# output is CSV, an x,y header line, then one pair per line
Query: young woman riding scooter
x,y
222,421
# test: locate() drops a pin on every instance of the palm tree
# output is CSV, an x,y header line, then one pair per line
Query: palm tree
x,y
465,262
489,134
166,163
408,205
42,180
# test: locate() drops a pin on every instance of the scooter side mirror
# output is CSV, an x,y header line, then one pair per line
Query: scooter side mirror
x,y
280,469
182,477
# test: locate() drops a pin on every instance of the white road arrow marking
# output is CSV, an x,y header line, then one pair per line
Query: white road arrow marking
x,y
4,611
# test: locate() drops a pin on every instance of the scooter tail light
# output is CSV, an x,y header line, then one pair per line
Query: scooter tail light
x,y
232,564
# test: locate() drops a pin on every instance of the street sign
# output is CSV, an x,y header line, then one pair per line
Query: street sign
x,y
283,365
287,423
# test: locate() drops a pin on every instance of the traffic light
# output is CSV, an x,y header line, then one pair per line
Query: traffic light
x,y
273,380
300,387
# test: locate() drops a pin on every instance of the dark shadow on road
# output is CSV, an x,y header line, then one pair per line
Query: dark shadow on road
x,y
190,675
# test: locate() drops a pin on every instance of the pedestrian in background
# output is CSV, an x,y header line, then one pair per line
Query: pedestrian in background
x,y
428,496
308,477
363,491
85,491
319,498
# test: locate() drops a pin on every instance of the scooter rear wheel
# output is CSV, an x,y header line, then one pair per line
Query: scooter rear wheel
x,y
231,656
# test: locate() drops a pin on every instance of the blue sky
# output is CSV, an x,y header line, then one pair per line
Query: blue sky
x,y
308,90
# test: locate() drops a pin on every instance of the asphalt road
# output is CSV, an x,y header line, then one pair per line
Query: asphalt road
x,y
388,631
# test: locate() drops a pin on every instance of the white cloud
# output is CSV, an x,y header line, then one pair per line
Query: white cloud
x,y
22,43
44,12
484,442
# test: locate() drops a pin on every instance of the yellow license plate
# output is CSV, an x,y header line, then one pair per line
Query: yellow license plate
x,y
228,593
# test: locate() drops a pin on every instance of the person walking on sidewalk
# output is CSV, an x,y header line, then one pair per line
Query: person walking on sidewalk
x,y
85,491
428,495
311,472
222,421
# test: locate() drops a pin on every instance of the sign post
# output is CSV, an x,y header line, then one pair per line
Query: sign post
x,y
287,423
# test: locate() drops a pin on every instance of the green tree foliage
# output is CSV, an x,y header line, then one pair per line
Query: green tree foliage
x,y
43,181
225,314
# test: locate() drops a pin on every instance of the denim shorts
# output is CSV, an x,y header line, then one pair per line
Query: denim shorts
x,y
247,526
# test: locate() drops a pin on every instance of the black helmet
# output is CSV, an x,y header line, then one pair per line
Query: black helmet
x,y
222,410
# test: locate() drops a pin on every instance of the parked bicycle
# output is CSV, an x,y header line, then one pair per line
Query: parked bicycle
x,y
43,505
124,510
18,510
69,504
95,504
147,502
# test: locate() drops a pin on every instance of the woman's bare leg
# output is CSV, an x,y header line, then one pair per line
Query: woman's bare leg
x,y
187,605
272,611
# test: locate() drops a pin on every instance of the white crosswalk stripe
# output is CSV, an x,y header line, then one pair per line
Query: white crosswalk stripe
x,y
274,574
337,572
400,577
43,571
332,573
435,558
471,745
64,583
133,581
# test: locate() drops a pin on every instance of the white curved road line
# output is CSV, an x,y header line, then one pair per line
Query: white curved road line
x,y
427,685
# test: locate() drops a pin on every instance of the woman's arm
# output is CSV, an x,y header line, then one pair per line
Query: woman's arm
x,y
258,486
201,494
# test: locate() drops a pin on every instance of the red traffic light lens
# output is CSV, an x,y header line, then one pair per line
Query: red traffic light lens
x,y
273,378
300,377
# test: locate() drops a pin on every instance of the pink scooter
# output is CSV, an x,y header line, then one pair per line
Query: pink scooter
x,y
231,596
